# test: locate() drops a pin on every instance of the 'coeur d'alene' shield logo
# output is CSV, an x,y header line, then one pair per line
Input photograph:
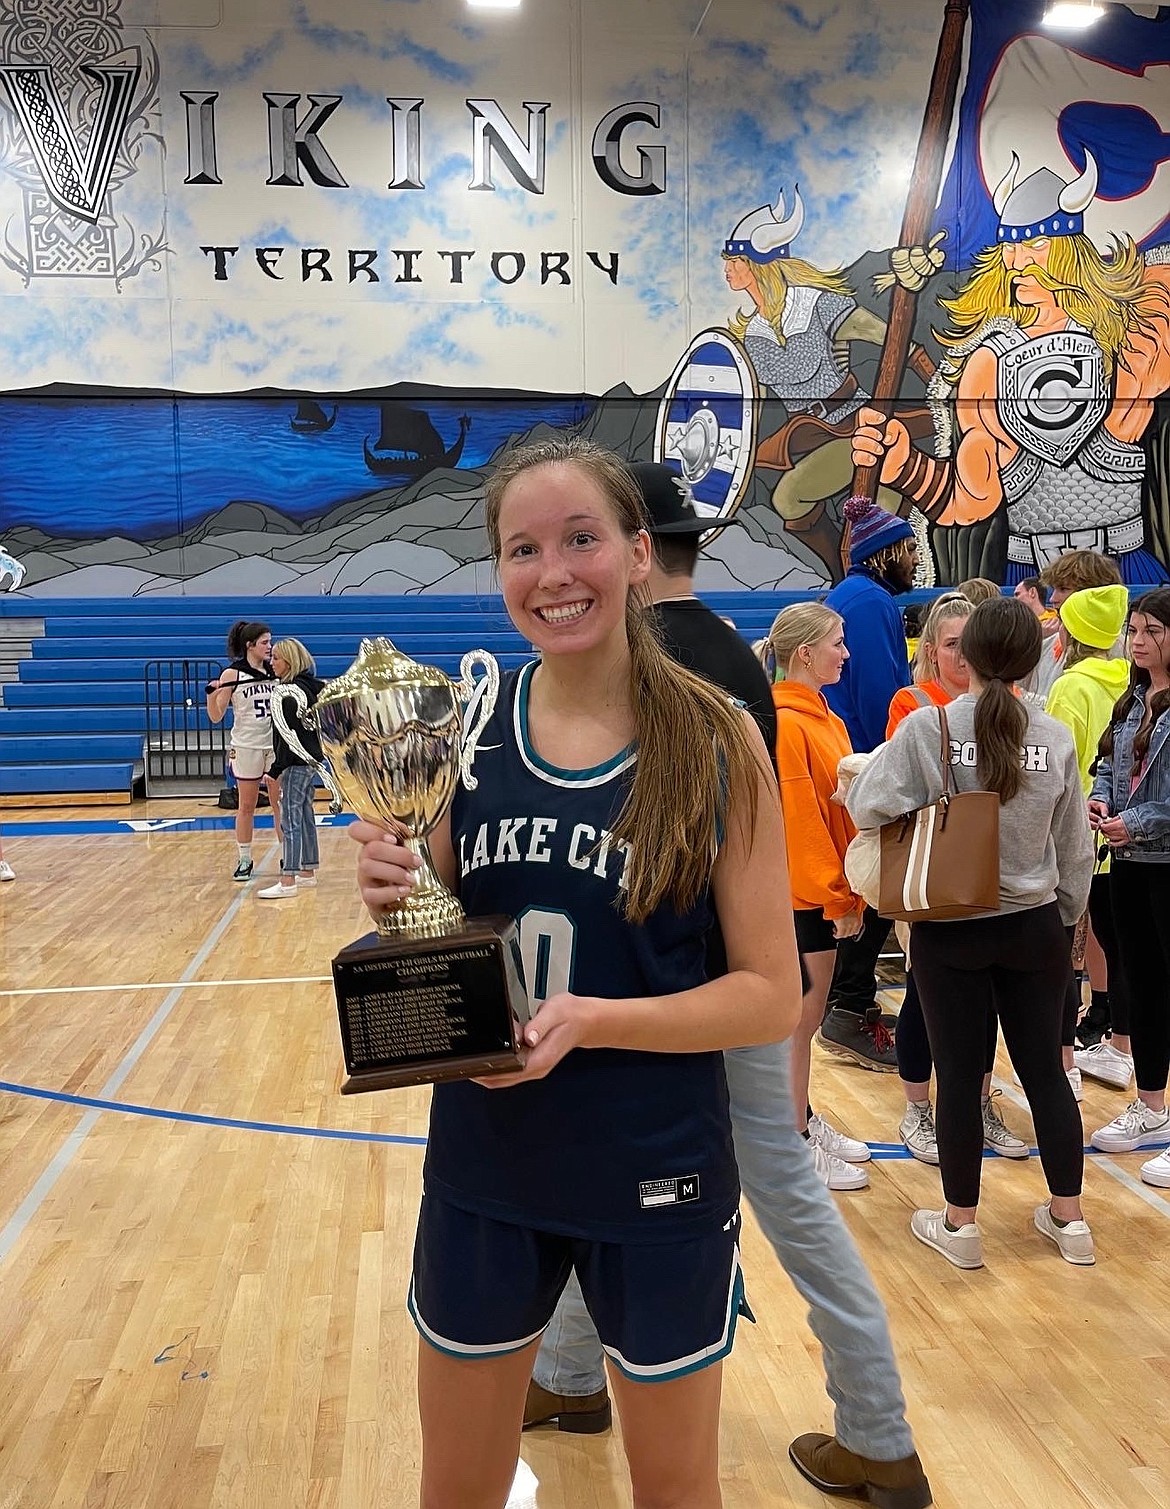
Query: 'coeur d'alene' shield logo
x,y
75,180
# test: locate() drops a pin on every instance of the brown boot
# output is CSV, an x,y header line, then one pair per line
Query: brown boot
x,y
581,1415
833,1469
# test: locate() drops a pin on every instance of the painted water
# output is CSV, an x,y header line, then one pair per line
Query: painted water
x,y
151,467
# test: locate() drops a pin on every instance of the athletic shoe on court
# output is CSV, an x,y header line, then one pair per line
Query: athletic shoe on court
x,y
996,1135
1137,1126
1074,1240
846,1148
1157,1171
276,892
579,1415
833,1469
243,870
1073,1076
6,871
306,880
1105,1062
834,1172
862,1040
963,1247
917,1131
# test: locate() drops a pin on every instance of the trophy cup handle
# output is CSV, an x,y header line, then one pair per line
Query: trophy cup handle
x,y
291,737
481,697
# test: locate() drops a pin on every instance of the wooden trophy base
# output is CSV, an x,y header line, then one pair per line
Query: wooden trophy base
x,y
419,1011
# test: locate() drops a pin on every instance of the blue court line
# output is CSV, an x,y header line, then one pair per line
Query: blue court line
x,y
91,1102
52,828
890,1152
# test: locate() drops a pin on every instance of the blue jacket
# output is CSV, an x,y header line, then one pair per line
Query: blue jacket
x,y
1147,809
878,663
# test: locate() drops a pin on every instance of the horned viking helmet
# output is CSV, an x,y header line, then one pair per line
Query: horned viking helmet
x,y
1044,205
766,234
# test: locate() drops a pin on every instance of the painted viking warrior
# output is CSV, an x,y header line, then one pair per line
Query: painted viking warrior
x,y
1055,357
798,336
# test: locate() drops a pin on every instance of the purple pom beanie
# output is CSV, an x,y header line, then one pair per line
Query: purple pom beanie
x,y
872,529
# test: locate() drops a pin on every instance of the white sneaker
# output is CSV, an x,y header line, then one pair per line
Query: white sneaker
x,y
917,1131
306,880
277,892
834,1172
1105,1062
963,1247
1075,1240
1074,1078
835,1143
1157,1171
1137,1126
6,871
996,1135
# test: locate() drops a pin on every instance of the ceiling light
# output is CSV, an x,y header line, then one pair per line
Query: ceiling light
x,y
494,4
1073,13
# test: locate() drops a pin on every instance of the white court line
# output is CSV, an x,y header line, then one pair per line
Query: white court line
x,y
1103,1161
39,1193
73,990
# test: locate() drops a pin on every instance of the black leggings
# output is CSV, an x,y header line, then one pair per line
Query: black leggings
x,y
1072,997
912,1045
1105,928
1140,894
1014,965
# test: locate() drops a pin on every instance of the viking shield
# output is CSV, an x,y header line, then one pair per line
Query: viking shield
x,y
706,429
1053,394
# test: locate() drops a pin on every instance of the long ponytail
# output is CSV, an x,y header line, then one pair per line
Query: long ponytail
x,y
1001,643
1001,725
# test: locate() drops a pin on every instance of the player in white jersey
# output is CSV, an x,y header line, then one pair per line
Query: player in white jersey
x,y
246,686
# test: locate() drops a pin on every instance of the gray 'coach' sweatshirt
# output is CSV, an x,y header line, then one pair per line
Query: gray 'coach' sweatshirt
x,y
1045,844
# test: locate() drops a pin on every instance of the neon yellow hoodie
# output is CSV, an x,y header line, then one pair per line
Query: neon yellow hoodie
x,y
1082,697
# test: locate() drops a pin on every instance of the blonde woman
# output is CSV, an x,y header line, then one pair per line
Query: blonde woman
x,y
940,675
979,589
806,650
620,807
299,858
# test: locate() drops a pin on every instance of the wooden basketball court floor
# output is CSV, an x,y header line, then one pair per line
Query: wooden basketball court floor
x,y
204,1248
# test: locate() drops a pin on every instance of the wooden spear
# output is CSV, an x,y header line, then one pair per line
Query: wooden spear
x,y
916,222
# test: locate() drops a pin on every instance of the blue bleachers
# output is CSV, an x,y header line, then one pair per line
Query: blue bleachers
x,y
75,721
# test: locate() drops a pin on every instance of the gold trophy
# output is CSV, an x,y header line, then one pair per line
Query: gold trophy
x,y
435,995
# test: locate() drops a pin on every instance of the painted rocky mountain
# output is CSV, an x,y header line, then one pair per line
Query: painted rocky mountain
x,y
426,536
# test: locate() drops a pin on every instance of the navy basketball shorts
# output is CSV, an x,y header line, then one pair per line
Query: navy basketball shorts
x,y
484,1288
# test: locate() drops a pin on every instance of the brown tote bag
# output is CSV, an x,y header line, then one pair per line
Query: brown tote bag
x,y
942,862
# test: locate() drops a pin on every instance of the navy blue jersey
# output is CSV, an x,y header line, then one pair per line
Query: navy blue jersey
x,y
613,1145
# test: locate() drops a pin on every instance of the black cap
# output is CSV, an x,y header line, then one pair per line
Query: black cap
x,y
668,500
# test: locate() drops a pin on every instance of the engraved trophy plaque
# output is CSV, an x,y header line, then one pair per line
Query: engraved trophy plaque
x,y
435,995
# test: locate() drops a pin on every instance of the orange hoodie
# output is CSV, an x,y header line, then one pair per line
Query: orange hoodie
x,y
810,740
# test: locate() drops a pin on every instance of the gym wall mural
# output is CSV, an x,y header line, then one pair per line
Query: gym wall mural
x,y
279,281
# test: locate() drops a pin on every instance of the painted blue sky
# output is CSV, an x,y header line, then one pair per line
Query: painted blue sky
x,y
756,96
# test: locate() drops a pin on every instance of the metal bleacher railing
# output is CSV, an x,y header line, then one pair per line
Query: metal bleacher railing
x,y
185,752
101,692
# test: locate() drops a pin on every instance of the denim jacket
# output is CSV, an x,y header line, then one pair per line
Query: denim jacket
x,y
1147,809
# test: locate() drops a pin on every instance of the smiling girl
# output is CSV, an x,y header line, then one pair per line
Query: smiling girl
x,y
621,806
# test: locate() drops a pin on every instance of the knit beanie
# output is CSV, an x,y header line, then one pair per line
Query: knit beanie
x,y
1096,615
872,529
